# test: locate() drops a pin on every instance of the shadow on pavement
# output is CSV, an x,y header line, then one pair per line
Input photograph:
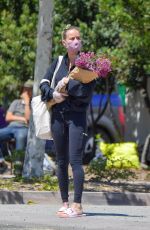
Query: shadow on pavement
x,y
125,199
11,197
110,214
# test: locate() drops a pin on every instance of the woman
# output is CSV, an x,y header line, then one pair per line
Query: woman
x,y
68,120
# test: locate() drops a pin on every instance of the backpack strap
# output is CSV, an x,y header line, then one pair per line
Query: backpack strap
x,y
56,69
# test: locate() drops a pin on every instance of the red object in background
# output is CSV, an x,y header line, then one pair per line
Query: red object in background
x,y
121,117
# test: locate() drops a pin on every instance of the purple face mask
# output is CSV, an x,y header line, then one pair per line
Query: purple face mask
x,y
74,45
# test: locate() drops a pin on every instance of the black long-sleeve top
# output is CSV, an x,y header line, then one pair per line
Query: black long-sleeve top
x,y
79,94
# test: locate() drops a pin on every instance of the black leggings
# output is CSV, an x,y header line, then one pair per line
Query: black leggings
x,y
69,136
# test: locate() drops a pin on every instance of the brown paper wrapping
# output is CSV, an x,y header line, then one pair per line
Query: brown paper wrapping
x,y
82,75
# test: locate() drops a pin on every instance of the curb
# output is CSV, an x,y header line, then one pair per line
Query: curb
x,y
89,198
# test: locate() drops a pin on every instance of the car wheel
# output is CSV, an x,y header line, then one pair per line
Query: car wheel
x,y
91,150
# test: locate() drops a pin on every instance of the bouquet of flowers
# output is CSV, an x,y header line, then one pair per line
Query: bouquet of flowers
x,y
90,66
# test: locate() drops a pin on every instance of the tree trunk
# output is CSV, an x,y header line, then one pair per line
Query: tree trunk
x,y
33,164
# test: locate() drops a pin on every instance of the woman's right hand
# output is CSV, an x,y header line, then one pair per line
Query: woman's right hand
x,y
59,97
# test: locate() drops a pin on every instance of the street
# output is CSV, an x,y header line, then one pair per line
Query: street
x,y
43,217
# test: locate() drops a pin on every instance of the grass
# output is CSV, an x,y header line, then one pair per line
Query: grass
x,y
45,183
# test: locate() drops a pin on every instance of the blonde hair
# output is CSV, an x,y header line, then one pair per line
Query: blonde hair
x,y
67,28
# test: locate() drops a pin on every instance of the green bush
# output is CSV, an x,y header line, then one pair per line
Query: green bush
x,y
98,167
117,161
120,155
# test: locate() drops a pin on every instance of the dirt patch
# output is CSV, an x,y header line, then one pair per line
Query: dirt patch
x,y
139,184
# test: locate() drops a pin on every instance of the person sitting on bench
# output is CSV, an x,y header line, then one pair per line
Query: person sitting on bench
x,y
17,115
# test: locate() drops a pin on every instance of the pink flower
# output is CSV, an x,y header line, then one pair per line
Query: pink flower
x,y
90,61
103,67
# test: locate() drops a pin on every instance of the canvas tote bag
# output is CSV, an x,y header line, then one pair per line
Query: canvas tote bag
x,y
41,113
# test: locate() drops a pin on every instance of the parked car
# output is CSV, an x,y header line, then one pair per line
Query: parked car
x,y
108,128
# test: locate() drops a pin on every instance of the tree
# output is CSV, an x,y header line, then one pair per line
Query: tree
x,y
17,35
33,164
119,28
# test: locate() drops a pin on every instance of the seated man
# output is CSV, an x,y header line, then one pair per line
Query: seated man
x,y
18,115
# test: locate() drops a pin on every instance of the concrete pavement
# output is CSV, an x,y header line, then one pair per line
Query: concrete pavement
x,y
43,217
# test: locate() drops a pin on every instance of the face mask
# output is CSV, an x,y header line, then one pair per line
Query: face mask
x,y
74,45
